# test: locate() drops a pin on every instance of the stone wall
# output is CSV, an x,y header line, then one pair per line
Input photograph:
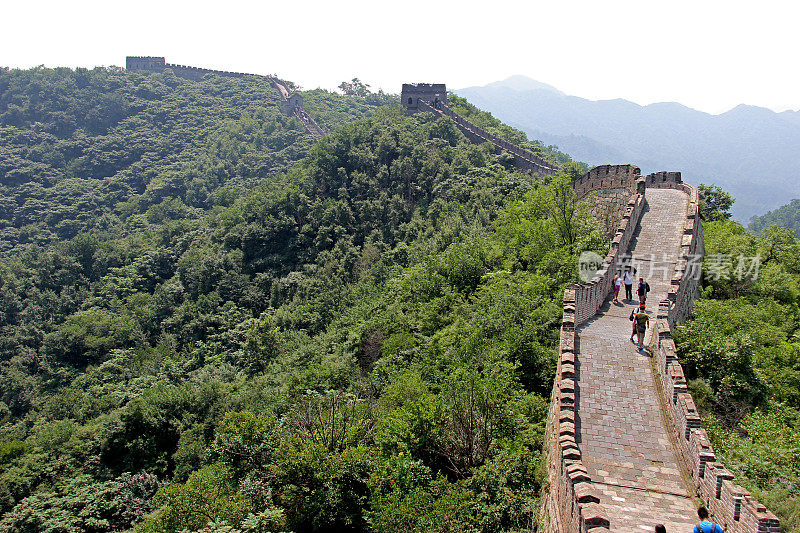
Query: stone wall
x,y
571,504
666,180
159,64
148,63
606,177
291,103
523,159
732,506
607,208
609,181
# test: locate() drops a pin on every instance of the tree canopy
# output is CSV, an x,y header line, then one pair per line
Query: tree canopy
x,y
740,354
225,326
715,203
787,216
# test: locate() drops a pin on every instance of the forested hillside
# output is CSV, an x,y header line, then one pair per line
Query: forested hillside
x,y
198,334
787,216
114,152
741,354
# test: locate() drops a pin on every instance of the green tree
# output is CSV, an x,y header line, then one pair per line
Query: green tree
x,y
715,203
354,87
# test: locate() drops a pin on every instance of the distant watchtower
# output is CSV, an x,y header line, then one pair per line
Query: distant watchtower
x,y
150,64
292,102
428,92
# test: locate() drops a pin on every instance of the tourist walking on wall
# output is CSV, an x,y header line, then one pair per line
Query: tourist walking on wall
x,y
616,283
641,320
706,525
627,278
643,289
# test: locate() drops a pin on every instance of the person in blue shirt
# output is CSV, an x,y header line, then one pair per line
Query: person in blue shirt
x,y
706,526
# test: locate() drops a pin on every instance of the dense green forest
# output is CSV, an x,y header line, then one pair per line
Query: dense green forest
x,y
211,323
112,153
787,216
741,354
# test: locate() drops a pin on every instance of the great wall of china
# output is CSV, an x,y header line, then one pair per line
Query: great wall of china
x,y
625,446
417,97
291,100
626,449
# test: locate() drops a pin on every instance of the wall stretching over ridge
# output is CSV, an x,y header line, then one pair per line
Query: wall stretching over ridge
x,y
732,506
291,100
523,159
292,105
571,504
159,64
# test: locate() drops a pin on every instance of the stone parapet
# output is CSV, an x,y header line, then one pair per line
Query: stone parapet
x,y
412,94
158,64
572,502
732,506
523,159
590,296
605,177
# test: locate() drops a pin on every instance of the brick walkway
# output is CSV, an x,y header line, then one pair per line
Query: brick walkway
x,y
620,428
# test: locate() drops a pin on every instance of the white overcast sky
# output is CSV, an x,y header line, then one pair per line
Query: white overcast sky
x,y
710,55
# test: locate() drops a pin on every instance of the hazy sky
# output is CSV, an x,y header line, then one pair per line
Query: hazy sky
x,y
710,55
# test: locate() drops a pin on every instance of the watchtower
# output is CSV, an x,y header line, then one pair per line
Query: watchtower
x,y
292,102
431,93
148,63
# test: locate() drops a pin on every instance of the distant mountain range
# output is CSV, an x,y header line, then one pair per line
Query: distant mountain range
x,y
752,152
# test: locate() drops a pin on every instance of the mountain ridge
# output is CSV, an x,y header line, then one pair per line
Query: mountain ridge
x,y
752,151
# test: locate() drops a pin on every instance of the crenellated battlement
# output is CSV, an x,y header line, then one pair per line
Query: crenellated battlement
x,y
665,180
580,497
148,63
608,177
732,506
573,503
432,93
159,64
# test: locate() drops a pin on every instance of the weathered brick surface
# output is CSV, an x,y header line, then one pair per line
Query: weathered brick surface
x,y
573,503
731,505
637,435
624,443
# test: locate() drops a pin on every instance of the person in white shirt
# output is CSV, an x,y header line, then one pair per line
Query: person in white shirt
x,y
627,279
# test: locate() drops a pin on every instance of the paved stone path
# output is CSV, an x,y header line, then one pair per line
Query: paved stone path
x,y
620,429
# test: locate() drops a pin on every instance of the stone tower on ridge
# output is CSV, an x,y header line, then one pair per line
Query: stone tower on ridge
x,y
428,92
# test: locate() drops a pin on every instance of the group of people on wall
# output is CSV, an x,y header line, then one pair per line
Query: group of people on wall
x,y
639,316
641,321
